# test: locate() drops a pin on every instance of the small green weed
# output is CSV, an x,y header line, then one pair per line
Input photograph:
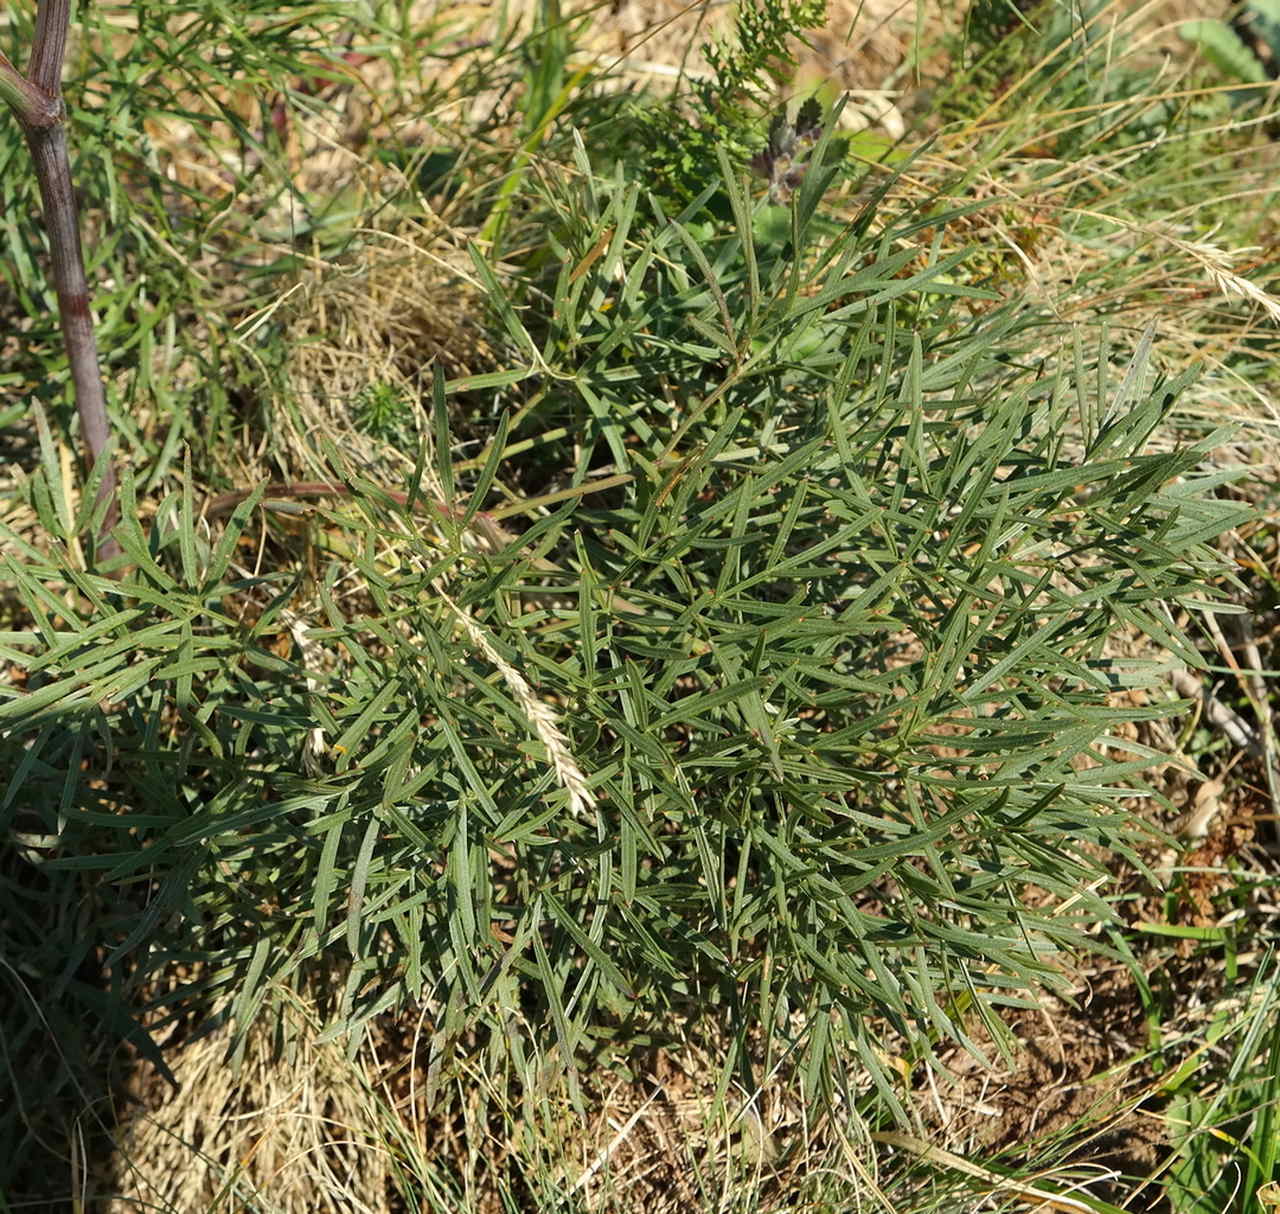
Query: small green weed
x,y
1246,48
383,411
1226,1136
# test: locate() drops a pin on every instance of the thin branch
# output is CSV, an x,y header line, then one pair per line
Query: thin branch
x,y
53,172
32,106
484,528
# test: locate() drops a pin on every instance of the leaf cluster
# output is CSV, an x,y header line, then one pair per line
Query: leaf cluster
x,y
1246,48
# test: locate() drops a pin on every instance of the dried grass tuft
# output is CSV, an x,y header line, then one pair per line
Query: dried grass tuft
x,y
382,319
298,1132
666,1140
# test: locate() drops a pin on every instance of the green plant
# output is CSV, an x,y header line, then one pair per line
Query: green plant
x,y
1225,1137
855,703
382,411
754,674
1245,48
677,140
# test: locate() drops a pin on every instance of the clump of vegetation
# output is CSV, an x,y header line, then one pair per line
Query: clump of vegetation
x,y
765,646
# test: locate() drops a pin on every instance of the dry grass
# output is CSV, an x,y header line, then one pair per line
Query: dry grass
x,y
292,1130
403,302
306,1129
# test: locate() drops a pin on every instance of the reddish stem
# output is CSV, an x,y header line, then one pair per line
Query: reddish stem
x,y
53,172
488,528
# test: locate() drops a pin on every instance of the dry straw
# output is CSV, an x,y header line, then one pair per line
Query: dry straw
x,y
539,713
294,1133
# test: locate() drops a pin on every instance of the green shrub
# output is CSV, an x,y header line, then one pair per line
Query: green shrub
x,y
791,704
856,704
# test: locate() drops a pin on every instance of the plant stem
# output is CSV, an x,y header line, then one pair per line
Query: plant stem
x,y
37,102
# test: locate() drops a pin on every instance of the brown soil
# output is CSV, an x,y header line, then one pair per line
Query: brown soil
x,y
1083,1074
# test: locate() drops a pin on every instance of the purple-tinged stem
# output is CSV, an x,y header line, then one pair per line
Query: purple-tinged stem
x,y
53,172
49,47
36,100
